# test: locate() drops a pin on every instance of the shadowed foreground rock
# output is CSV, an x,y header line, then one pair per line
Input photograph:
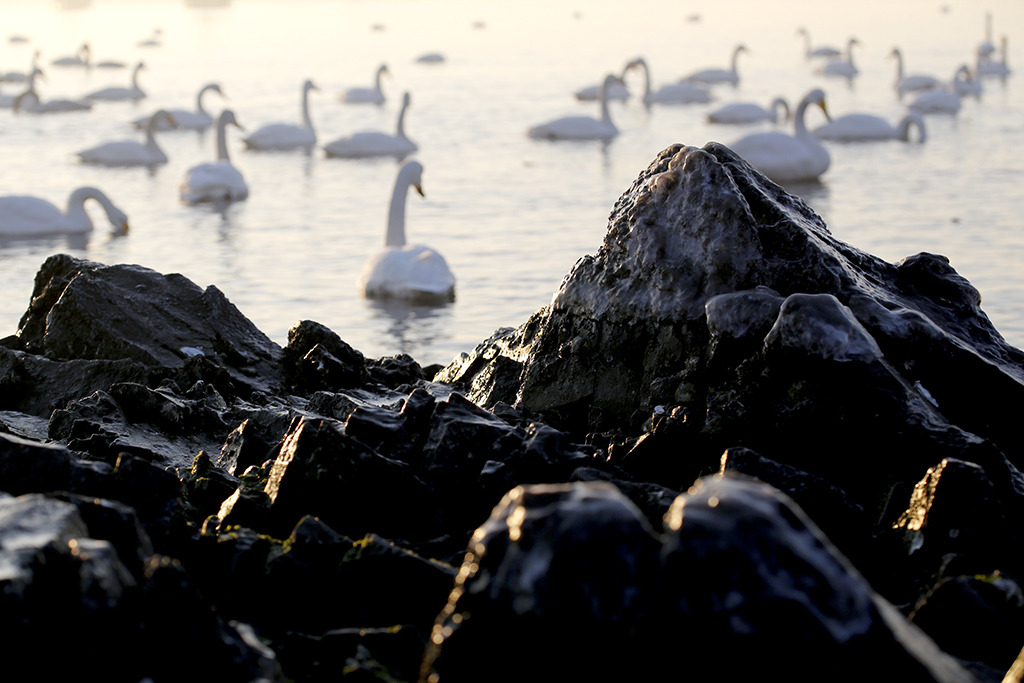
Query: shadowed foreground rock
x,y
181,498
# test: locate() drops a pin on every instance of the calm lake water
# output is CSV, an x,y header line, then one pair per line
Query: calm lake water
x,y
510,214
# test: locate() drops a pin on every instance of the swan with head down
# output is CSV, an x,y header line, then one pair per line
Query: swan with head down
x,y
788,158
129,152
25,216
286,136
375,143
410,272
580,127
219,180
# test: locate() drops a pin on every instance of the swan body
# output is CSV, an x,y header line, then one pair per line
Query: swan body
x,y
23,216
712,76
371,95
965,84
431,58
816,52
198,119
865,127
670,93
842,66
375,143
128,152
580,127
750,112
618,91
404,271
22,76
913,82
121,94
29,101
81,58
788,158
216,181
936,101
286,136
987,48
994,67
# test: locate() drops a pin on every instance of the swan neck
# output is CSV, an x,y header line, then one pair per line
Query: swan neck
x,y
222,139
400,126
199,99
798,120
76,213
606,114
135,76
395,236
647,78
307,122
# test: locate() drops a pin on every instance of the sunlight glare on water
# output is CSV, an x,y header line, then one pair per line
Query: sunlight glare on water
x,y
510,214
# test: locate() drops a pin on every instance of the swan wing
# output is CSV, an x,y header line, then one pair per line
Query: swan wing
x,y
783,158
280,136
573,128
856,127
369,144
122,153
412,272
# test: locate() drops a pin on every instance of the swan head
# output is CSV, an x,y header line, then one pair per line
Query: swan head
x,y
228,117
741,48
817,96
406,99
309,85
383,69
159,114
412,171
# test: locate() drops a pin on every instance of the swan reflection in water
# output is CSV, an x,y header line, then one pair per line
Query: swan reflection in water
x,y
408,327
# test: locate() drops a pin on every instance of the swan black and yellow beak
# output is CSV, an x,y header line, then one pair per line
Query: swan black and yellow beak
x,y
124,228
419,188
824,109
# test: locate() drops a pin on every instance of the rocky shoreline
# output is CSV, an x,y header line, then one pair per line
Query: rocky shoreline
x,y
731,446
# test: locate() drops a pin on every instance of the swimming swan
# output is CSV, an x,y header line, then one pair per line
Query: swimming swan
x,y
841,66
865,127
198,119
750,112
216,181
129,152
285,136
670,93
403,271
788,158
812,52
994,67
121,94
618,92
81,58
373,95
711,76
936,101
29,101
23,216
580,127
375,143
914,82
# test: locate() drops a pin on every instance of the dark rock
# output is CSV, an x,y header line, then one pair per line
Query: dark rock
x,y
316,359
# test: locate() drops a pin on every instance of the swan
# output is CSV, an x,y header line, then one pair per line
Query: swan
x,y
80,58
22,76
285,136
936,101
749,112
865,127
710,76
431,58
374,143
670,93
618,92
29,101
914,82
372,95
965,84
842,66
994,67
406,271
217,181
23,216
987,48
128,152
154,40
120,94
788,158
580,127
812,52
200,119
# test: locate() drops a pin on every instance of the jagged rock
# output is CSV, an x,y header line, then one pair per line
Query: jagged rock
x,y
560,571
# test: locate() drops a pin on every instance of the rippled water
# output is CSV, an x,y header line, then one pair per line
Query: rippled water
x,y
510,214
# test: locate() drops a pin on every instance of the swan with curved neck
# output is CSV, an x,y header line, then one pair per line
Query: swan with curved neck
x,y
842,66
994,67
814,52
24,216
287,136
788,158
117,93
750,112
913,82
580,127
618,92
402,271
868,127
670,93
216,181
711,76
197,119
83,57
129,152
372,95
375,143
29,101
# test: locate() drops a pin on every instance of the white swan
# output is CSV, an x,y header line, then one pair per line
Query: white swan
x,y
788,158
866,127
711,76
965,84
841,66
580,127
216,181
750,112
81,58
936,101
128,152
286,136
618,92
404,271
120,93
994,67
813,52
22,76
29,101
913,82
375,143
372,95
198,119
987,48
670,93
23,216
431,58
